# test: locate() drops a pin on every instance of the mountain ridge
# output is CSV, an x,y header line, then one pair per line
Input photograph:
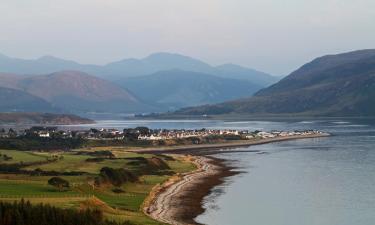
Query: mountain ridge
x,y
343,88
124,68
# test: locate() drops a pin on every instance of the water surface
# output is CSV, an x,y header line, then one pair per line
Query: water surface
x,y
323,181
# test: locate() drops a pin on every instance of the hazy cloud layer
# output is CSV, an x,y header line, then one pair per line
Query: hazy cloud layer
x,y
271,35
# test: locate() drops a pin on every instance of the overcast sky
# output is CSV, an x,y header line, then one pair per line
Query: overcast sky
x,y
275,36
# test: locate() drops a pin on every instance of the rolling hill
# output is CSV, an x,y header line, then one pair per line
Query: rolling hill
x,y
177,88
332,85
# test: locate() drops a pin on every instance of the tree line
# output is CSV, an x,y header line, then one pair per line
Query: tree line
x,y
24,213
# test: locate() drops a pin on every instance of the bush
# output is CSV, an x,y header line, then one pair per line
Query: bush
x,y
116,177
59,183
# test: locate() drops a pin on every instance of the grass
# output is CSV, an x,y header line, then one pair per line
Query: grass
x,y
121,206
20,156
31,189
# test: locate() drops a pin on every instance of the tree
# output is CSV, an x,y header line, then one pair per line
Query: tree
x,y
59,183
143,130
12,133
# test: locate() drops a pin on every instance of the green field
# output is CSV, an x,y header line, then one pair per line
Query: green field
x,y
21,156
123,205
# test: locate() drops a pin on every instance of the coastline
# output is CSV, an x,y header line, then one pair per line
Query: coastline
x,y
179,200
193,149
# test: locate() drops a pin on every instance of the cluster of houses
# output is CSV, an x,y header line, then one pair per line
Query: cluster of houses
x,y
175,134
144,133
274,134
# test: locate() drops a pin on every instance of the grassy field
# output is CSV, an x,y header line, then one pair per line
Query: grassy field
x,y
19,156
123,205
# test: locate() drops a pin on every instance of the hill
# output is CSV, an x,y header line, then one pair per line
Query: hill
x,y
12,100
42,118
243,73
333,85
178,88
74,91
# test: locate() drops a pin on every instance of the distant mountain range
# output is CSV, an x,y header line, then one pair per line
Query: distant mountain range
x,y
159,82
332,85
116,71
178,88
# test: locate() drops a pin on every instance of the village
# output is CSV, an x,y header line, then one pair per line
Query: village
x,y
144,133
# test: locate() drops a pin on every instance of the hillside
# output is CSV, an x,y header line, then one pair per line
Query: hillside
x,y
74,91
12,100
243,73
333,85
177,88
42,118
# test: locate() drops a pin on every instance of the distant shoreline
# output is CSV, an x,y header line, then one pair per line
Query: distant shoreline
x,y
180,200
36,118
192,149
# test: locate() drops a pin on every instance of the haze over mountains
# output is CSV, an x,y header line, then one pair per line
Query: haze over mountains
x,y
332,85
106,88
178,88
116,71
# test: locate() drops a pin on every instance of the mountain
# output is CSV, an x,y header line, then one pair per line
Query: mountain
x,y
332,85
154,63
242,73
207,84
178,88
75,91
117,71
43,65
12,100
42,118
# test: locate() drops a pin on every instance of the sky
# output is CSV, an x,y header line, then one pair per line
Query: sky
x,y
275,36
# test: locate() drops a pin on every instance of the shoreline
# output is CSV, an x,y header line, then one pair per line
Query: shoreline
x,y
192,149
179,200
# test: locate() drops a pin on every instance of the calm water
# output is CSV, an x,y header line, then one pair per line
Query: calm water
x,y
325,181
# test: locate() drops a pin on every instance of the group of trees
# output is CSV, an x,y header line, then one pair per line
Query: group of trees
x,y
116,177
100,154
36,143
9,133
24,213
59,183
132,134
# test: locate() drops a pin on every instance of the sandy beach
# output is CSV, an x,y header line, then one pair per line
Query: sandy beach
x,y
179,200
